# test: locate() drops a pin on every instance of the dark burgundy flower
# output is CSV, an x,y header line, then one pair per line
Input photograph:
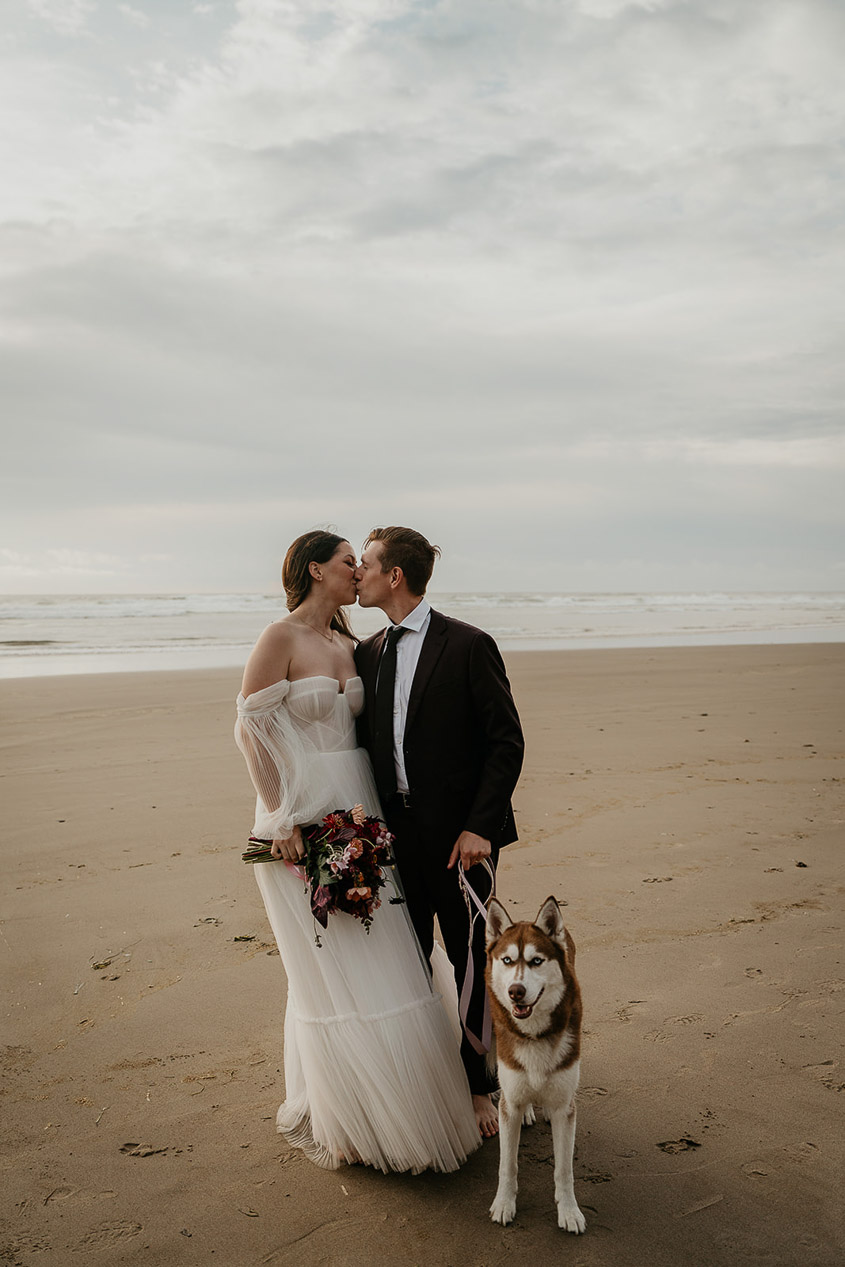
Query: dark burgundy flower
x,y
322,904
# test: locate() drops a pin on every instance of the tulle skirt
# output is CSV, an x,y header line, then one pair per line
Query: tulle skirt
x,y
371,1044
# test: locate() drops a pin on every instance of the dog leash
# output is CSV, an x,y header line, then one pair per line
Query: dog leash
x,y
480,1044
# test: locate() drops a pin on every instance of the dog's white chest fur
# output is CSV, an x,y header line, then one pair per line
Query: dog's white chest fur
x,y
532,1074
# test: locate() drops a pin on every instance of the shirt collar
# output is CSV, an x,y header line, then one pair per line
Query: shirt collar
x,y
417,618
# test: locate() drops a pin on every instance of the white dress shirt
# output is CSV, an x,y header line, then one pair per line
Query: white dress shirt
x,y
408,651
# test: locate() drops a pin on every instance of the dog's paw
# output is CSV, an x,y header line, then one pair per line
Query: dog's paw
x,y
570,1218
503,1209
528,1118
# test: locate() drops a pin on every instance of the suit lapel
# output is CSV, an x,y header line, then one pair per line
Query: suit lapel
x,y
371,670
432,649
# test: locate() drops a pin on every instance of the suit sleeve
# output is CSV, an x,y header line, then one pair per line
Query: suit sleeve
x,y
503,742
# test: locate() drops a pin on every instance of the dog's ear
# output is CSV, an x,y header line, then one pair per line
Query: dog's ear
x,y
550,920
497,921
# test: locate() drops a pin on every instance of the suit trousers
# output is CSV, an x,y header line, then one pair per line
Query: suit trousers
x,y
432,890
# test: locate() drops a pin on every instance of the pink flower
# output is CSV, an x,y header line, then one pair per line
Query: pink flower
x,y
358,815
353,850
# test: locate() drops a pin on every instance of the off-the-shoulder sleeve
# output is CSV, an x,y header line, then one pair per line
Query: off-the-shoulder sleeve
x,y
280,764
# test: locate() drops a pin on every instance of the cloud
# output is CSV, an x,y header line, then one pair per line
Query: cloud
x,y
137,17
67,17
59,562
512,268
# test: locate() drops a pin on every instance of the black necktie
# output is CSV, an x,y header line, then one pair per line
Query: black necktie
x,y
384,765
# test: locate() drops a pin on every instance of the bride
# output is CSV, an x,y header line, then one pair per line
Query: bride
x,y
372,1066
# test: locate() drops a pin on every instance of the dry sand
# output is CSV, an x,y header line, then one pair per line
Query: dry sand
x,y
686,803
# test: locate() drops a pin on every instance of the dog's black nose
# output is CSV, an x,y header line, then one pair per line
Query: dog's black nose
x,y
517,992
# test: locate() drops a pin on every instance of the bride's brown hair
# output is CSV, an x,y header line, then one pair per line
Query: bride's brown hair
x,y
312,547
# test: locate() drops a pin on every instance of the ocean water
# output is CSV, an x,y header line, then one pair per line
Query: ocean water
x,y
101,633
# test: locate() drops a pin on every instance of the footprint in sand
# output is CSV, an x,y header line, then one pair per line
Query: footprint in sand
x,y
803,1152
825,1071
60,1194
682,1145
10,1251
108,1236
625,1012
15,1060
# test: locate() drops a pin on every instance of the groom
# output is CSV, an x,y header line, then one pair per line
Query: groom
x,y
446,744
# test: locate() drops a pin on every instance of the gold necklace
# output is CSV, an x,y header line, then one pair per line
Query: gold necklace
x,y
329,637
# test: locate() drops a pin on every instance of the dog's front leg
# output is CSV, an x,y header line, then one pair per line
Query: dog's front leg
x,y
569,1217
510,1124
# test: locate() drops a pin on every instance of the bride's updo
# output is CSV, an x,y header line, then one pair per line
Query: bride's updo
x,y
312,547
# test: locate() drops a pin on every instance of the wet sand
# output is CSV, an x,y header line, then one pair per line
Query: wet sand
x,y
686,803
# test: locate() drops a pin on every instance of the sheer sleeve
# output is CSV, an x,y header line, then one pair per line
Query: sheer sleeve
x,y
278,758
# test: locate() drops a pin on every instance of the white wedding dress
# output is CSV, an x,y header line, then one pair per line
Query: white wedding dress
x,y
372,1065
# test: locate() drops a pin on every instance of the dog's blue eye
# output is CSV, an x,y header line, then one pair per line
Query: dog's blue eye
x,y
536,961
506,959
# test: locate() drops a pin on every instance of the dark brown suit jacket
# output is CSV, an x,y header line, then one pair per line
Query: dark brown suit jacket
x,y
463,742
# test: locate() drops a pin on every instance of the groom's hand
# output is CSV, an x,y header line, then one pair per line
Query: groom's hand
x,y
470,849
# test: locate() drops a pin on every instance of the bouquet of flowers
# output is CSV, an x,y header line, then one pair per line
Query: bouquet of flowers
x,y
344,857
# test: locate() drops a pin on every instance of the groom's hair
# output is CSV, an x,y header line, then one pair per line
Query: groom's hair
x,y
406,549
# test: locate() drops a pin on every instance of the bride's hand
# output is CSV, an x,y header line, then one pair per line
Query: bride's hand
x,y
292,849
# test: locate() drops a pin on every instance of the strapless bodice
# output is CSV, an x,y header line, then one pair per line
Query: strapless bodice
x,y
313,699
325,714
321,714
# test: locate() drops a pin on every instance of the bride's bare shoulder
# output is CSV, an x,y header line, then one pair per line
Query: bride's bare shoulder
x,y
269,661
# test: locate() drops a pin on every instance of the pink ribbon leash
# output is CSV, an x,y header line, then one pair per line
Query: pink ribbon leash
x,y
482,1044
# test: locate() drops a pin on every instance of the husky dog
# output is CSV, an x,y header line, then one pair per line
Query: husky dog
x,y
536,1006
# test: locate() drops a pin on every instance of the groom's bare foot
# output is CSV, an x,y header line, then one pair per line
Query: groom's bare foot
x,y
486,1115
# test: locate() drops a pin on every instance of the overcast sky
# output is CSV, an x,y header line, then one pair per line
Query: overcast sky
x,y
558,282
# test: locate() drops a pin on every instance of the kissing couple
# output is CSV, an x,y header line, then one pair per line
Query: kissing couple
x,y
418,726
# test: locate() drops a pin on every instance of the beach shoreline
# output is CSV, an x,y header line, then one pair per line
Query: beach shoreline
x,y
51,635
687,805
